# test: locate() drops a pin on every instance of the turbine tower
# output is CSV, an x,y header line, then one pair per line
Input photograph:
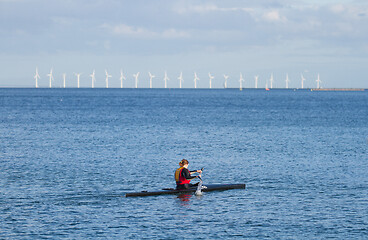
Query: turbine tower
x,y
93,78
122,78
287,81
166,78
136,79
107,78
36,77
50,78
180,79
241,80
78,78
64,77
256,81
318,81
211,77
196,78
271,80
151,76
226,78
303,79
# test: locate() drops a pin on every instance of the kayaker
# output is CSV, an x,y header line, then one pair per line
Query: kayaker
x,y
183,175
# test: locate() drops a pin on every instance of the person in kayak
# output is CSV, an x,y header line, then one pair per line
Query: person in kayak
x,y
183,175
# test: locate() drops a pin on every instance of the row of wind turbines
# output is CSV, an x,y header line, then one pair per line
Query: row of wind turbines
x,y
166,79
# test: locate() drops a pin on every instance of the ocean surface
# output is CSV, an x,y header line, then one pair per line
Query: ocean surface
x,y
68,156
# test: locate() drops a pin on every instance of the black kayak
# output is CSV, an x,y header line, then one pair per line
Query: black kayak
x,y
209,187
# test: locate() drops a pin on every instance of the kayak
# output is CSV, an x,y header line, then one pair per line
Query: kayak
x,y
207,188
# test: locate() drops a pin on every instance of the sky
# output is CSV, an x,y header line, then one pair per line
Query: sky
x,y
252,37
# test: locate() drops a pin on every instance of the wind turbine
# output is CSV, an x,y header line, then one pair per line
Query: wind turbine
x,y
318,81
180,79
151,76
36,77
196,78
303,79
107,78
211,77
136,79
287,81
78,78
241,80
64,77
226,78
166,78
93,78
256,81
50,77
271,80
122,78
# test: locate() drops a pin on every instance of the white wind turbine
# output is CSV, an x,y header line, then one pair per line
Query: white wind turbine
x,y
50,77
256,81
64,77
180,79
93,78
318,81
107,78
166,78
136,79
241,80
303,79
78,78
122,78
271,80
151,77
226,78
287,81
196,78
211,77
36,77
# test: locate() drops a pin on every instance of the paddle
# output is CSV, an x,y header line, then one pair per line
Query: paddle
x,y
199,188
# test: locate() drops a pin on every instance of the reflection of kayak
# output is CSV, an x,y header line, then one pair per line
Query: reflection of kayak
x,y
209,187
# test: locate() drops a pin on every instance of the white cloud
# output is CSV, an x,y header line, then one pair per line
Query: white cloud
x,y
173,33
337,8
350,11
274,16
138,32
207,8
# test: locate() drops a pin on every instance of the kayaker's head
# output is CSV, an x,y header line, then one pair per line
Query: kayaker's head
x,y
184,163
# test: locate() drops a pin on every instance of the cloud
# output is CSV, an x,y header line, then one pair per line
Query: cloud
x,y
274,16
208,8
337,8
139,32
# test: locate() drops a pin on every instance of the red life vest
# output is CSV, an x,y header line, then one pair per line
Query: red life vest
x,y
179,177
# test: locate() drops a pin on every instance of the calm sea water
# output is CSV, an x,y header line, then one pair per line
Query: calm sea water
x,y
68,156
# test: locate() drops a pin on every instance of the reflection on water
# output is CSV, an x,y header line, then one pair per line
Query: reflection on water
x,y
184,198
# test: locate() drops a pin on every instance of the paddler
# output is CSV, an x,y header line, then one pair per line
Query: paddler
x,y
183,175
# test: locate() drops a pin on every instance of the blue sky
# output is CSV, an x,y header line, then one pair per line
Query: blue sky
x,y
255,37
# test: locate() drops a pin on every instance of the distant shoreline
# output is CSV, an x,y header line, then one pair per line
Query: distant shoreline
x,y
337,89
244,89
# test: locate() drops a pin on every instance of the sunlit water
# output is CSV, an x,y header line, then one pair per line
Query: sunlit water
x,y
68,156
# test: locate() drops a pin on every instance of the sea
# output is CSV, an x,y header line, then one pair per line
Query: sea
x,y
69,156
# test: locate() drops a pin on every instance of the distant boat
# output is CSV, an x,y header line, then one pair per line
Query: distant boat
x,y
267,89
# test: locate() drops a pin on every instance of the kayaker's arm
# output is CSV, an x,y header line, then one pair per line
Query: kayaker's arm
x,y
187,175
